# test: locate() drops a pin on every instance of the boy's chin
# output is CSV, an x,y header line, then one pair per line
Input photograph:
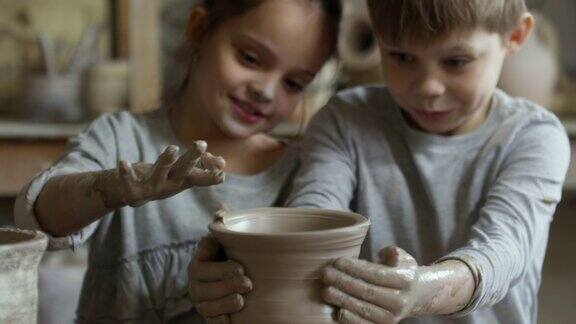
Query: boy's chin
x,y
445,130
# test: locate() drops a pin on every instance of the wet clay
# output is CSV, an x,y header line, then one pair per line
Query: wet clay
x,y
397,288
20,254
283,251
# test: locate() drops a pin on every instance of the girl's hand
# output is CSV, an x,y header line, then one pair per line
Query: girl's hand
x,y
216,287
170,174
396,289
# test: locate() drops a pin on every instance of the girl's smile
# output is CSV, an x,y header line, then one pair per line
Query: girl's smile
x,y
246,111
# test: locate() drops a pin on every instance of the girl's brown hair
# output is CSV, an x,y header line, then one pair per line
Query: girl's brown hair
x,y
398,20
220,11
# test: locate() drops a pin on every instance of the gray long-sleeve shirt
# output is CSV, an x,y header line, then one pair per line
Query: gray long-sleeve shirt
x,y
137,270
486,197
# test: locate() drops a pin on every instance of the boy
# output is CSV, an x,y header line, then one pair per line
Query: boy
x,y
460,175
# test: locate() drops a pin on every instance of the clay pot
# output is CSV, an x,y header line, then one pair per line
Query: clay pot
x,y
107,87
52,98
20,254
283,251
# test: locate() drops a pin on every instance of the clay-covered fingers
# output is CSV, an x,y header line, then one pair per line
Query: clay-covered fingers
x,y
208,271
210,171
211,162
204,267
347,317
216,287
127,174
164,164
389,256
387,298
227,305
394,256
207,249
374,273
132,192
203,177
187,162
211,291
362,309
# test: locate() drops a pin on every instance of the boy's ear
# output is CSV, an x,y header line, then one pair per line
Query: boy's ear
x,y
197,25
520,32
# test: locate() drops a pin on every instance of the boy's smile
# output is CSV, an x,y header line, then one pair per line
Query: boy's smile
x,y
445,86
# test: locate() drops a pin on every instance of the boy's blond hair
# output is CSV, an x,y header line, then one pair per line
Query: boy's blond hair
x,y
398,20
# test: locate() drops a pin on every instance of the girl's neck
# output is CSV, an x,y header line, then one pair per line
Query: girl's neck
x,y
243,155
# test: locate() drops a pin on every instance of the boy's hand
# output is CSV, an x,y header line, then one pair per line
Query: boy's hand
x,y
396,289
216,286
170,174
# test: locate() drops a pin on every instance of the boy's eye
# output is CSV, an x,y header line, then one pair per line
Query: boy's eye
x,y
401,57
248,58
457,63
294,86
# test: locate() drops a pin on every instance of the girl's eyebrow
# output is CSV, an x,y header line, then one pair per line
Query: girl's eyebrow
x,y
260,45
390,47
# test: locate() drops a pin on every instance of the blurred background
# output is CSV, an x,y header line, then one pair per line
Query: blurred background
x,y
64,62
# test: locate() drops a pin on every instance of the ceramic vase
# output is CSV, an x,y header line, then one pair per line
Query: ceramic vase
x,y
283,251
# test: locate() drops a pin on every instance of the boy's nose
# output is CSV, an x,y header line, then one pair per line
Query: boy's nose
x,y
431,86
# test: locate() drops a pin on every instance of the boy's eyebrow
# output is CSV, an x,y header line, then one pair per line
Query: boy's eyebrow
x,y
461,48
270,52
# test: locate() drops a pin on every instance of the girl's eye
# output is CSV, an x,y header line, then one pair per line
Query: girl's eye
x,y
294,86
457,63
248,58
402,58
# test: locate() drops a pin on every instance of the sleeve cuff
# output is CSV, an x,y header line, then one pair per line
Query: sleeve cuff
x,y
25,218
474,260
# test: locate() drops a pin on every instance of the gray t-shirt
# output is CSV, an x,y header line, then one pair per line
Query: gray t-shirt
x,y
485,197
139,256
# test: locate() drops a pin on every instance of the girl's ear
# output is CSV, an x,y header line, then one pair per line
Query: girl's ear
x,y
520,33
197,26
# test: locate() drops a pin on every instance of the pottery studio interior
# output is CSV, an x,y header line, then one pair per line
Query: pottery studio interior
x,y
287,161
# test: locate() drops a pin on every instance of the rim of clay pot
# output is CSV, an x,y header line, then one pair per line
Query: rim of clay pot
x,y
220,225
21,239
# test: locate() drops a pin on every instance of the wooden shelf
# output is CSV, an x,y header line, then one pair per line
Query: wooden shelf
x,y
22,159
44,131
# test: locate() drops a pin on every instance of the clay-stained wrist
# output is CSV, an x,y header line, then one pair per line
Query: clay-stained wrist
x,y
107,185
443,288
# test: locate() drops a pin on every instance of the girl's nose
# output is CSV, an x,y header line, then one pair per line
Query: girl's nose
x,y
262,92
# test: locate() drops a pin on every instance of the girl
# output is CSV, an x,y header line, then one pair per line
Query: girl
x,y
146,218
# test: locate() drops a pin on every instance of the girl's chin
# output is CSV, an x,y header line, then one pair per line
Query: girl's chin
x,y
239,131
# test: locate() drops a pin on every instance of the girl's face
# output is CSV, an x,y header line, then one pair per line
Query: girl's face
x,y
251,70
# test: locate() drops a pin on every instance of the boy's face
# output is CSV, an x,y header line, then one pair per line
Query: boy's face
x,y
445,86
